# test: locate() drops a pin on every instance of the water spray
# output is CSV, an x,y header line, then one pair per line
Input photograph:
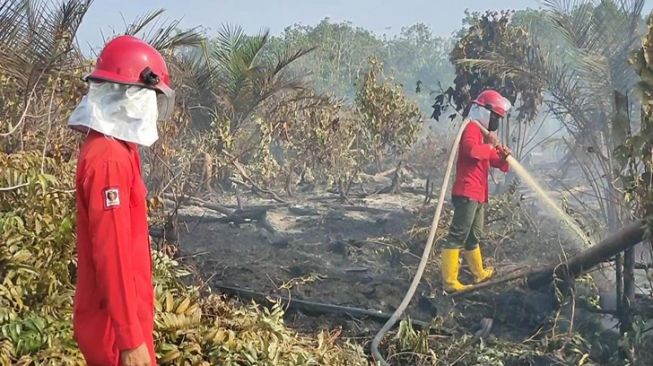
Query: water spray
x,y
541,194
528,179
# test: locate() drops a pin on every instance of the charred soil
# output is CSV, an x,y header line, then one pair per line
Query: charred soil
x,y
361,254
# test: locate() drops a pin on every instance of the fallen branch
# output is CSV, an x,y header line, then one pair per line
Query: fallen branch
x,y
492,283
580,263
246,176
395,185
502,218
7,189
575,266
258,189
415,190
256,214
244,216
201,203
385,173
311,307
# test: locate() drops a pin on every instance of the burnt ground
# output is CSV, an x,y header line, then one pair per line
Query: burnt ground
x,y
362,253
321,250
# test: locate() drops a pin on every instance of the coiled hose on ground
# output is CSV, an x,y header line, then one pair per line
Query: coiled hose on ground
x,y
425,255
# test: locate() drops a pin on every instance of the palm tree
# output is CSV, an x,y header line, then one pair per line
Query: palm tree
x,y
37,42
37,37
239,80
246,72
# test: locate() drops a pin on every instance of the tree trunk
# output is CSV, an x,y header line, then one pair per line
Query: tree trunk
x,y
619,288
342,189
626,238
428,190
628,290
289,180
395,187
578,264
378,157
620,130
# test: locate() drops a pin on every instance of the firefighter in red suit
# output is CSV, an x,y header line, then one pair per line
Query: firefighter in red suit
x,y
477,153
129,90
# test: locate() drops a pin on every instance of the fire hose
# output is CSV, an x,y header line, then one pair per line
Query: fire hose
x,y
425,255
434,225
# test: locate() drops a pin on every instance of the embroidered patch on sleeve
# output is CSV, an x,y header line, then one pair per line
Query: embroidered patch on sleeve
x,y
111,198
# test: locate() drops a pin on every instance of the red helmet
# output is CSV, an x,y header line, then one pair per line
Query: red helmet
x,y
131,61
494,101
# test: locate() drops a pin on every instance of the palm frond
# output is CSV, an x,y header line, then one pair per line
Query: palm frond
x,y
38,37
495,66
601,38
566,87
229,37
227,42
288,57
193,64
571,18
245,74
164,35
235,58
143,21
12,14
237,51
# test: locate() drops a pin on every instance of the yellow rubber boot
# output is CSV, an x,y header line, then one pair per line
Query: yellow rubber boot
x,y
449,267
475,262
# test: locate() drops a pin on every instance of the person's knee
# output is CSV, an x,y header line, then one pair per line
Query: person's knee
x,y
457,237
452,244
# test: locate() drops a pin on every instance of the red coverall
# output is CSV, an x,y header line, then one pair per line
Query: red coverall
x,y
114,297
473,165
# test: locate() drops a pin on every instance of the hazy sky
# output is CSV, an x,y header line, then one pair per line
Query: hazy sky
x,y
380,16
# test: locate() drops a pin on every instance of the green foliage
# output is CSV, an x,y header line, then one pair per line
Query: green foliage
x,y
392,121
320,135
492,36
636,151
208,330
416,54
580,76
37,259
243,77
278,127
341,56
36,229
343,51
250,97
447,346
252,106
37,58
409,340
236,84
